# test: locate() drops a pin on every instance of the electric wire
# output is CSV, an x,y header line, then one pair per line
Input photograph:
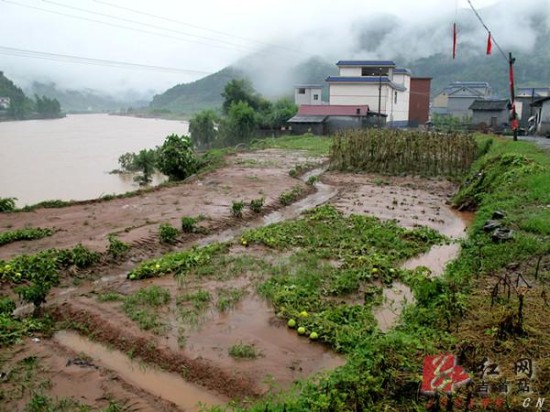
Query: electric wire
x,y
114,24
10,51
488,30
110,16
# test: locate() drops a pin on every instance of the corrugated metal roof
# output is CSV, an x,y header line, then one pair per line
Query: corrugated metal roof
x,y
489,105
332,110
376,63
307,119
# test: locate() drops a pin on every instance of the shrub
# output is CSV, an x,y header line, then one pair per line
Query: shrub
x,y
7,306
117,248
175,157
188,224
168,233
7,204
24,234
237,208
257,204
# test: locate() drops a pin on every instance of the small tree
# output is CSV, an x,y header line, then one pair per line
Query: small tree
x,y
145,161
202,128
35,293
240,90
240,124
175,158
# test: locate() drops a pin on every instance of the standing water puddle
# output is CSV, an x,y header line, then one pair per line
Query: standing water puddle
x,y
436,259
165,385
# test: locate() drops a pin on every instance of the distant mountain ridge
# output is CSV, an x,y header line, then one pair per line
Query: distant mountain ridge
x,y
86,100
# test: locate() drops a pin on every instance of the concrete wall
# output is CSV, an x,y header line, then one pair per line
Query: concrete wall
x,y
358,94
500,116
458,106
350,71
543,126
308,97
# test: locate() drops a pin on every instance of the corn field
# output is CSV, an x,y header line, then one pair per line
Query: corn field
x,y
402,152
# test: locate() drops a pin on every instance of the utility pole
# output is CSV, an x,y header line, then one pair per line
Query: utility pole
x,y
513,116
379,97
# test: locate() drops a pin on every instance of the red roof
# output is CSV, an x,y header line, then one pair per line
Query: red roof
x,y
332,110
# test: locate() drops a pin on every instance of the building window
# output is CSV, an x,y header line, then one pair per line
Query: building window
x,y
395,97
301,90
315,97
374,71
358,110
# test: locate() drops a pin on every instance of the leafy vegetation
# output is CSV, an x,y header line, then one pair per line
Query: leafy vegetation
x,y
237,208
286,198
7,204
24,234
117,248
178,263
168,233
256,205
176,158
228,298
189,224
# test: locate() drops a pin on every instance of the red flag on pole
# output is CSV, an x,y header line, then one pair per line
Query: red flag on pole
x,y
454,40
489,44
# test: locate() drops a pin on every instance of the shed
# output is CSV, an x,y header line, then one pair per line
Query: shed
x,y
542,116
492,113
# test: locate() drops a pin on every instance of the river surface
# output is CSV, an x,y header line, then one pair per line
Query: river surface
x,y
69,158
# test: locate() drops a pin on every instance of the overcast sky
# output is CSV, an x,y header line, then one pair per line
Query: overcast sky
x,y
199,36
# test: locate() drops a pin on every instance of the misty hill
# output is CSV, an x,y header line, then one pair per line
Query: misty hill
x,y
86,100
424,48
206,93
20,104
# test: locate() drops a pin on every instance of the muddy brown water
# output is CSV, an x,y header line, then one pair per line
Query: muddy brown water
x,y
69,158
165,385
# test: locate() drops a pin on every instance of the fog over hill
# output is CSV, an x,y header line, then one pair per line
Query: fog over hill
x,y
423,46
276,47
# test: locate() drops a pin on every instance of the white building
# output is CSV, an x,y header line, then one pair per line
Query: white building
x,y
378,84
308,94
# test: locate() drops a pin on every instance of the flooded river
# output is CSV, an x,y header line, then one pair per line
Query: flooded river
x,y
69,159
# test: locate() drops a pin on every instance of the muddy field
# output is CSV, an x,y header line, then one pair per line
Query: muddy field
x,y
207,316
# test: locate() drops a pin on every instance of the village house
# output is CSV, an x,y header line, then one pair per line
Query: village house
x,y
492,114
525,96
310,94
541,123
455,99
365,94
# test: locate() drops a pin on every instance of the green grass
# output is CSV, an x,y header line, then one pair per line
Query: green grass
x,y
110,297
143,307
243,351
314,145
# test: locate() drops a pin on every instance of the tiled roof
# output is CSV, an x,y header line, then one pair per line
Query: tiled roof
x,y
332,110
489,105
376,63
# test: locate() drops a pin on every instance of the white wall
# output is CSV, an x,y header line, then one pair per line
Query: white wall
x,y
350,71
309,96
358,94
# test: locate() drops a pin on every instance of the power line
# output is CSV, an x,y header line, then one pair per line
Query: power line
x,y
111,24
110,16
156,16
487,28
9,51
